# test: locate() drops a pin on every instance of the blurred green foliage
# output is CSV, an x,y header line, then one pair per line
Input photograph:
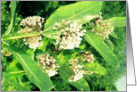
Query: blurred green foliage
x,y
45,9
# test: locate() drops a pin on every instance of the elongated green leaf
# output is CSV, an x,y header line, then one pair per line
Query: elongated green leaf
x,y
113,34
109,43
80,12
79,84
94,67
15,69
33,71
13,8
9,28
13,81
102,48
116,21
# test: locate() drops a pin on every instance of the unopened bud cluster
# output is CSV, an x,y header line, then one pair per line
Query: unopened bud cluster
x,y
77,68
6,52
71,34
32,24
87,56
103,30
47,63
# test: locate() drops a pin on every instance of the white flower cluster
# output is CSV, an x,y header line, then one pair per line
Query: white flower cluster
x,y
103,30
32,21
71,34
32,24
77,68
47,63
78,73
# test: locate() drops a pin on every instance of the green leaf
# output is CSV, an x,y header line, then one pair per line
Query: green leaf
x,y
15,72
31,52
113,34
82,46
33,71
74,55
15,69
94,67
80,12
3,2
13,81
116,21
12,64
9,28
102,48
61,58
13,8
80,84
44,45
109,43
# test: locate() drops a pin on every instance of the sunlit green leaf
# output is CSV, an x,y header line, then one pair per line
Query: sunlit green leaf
x,y
102,48
13,8
80,84
44,45
33,71
15,72
80,12
116,21
31,52
13,81
109,43
113,34
95,68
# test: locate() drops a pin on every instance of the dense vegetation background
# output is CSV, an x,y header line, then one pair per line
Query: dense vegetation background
x,y
45,9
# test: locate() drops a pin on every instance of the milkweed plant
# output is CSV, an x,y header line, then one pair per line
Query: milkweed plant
x,y
61,47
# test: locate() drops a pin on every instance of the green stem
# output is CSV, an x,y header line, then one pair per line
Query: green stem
x,y
20,36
